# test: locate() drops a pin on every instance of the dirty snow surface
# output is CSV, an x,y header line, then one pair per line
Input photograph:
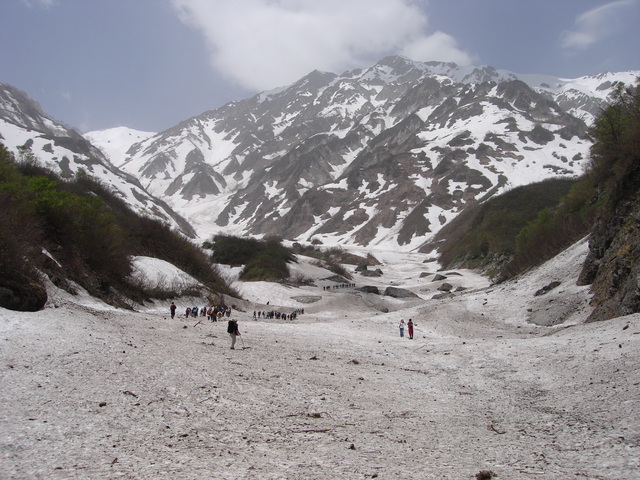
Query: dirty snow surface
x,y
89,392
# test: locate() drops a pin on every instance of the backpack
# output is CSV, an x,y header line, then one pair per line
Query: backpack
x,y
232,327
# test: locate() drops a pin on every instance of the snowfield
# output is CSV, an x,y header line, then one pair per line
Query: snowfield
x,y
90,392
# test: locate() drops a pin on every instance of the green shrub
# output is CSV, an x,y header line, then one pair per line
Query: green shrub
x,y
262,259
89,230
489,230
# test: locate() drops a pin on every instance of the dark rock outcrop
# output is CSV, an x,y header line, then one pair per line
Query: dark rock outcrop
x,y
371,273
546,289
612,266
396,292
24,296
369,289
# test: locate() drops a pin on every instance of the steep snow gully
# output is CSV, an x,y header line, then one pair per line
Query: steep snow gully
x,y
91,392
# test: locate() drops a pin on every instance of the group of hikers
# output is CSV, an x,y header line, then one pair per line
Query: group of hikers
x,y
339,286
213,313
216,314
278,315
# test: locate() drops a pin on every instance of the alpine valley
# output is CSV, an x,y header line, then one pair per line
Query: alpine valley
x,y
384,156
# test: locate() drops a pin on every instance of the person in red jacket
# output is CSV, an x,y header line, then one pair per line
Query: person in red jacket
x,y
410,328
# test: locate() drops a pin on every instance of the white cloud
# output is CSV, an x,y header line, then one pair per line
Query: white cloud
x,y
595,25
436,47
263,44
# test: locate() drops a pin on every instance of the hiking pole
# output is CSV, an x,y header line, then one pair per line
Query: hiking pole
x,y
242,341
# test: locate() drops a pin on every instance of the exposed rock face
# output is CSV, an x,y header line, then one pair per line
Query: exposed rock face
x,y
612,265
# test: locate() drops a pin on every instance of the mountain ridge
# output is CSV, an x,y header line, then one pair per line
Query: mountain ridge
x,y
382,156
31,135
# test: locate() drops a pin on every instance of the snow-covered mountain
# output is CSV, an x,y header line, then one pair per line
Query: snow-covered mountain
x,y
383,156
114,142
27,131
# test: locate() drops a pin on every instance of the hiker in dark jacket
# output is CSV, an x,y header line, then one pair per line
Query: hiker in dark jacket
x,y
233,331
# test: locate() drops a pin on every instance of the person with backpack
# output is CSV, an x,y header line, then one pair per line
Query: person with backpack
x,y
401,327
233,331
172,309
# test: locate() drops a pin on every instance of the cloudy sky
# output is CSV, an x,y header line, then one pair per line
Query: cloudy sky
x,y
148,64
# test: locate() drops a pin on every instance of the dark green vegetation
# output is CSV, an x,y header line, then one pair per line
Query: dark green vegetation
x,y
267,259
523,228
612,267
334,258
78,230
490,231
262,259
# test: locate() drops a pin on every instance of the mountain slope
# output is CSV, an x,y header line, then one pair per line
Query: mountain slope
x,y
29,133
381,156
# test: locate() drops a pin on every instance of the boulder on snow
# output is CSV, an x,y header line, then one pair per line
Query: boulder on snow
x,y
369,289
399,293
371,273
445,287
438,277
546,289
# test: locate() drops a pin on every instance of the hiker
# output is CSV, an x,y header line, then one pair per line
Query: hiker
x,y
172,309
410,328
233,331
401,327
187,312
